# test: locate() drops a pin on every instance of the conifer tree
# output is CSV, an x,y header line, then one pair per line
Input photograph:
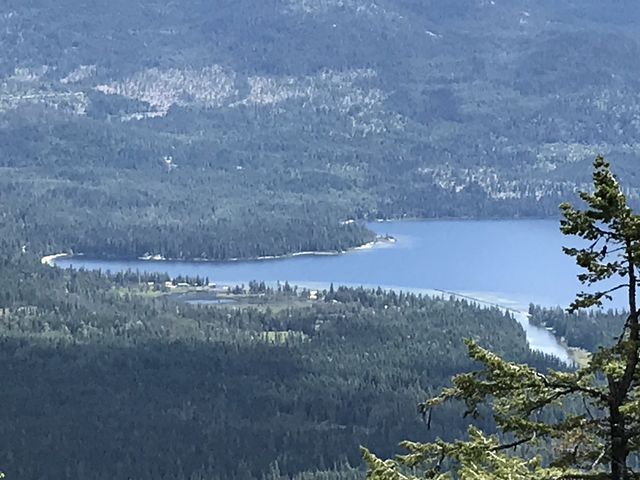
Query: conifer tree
x,y
598,434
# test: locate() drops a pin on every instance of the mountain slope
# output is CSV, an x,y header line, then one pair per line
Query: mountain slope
x,y
327,109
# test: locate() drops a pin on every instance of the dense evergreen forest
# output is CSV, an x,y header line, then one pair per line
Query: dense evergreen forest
x,y
236,129
107,377
589,330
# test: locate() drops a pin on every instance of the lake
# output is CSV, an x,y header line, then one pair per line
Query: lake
x,y
508,263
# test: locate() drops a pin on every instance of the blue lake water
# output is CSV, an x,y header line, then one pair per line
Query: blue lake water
x,y
510,263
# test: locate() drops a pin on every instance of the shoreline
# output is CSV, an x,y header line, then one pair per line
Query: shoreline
x,y
380,239
575,356
50,260
465,218
561,351
579,355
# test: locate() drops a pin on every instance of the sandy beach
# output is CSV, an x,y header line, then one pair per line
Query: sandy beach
x,y
51,259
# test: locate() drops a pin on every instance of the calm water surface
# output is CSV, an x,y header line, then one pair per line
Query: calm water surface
x,y
508,263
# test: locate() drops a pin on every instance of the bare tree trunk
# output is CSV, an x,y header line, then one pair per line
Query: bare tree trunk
x,y
619,450
619,390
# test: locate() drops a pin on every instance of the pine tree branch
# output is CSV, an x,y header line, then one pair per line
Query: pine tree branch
x,y
517,443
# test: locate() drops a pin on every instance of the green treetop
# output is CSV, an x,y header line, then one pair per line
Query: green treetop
x,y
597,435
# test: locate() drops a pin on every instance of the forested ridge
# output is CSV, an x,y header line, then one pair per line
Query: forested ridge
x,y
236,129
104,378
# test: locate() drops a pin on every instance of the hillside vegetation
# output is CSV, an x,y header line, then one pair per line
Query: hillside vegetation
x,y
237,128
103,379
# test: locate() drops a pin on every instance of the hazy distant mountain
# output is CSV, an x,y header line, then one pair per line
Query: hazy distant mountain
x,y
540,82
406,107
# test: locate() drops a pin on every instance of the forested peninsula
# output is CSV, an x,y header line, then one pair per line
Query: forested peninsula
x,y
255,130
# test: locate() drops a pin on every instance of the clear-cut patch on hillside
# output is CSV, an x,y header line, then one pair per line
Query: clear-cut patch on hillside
x,y
28,86
319,7
208,87
349,93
